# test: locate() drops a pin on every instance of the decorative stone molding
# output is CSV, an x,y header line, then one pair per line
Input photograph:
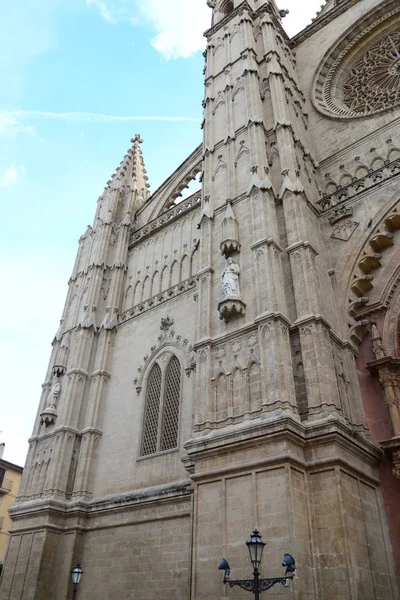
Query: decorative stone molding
x,y
358,186
166,338
171,215
368,264
172,292
231,307
396,463
347,80
345,230
166,323
343,212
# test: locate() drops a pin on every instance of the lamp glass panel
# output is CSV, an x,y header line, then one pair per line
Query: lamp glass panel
x,y
76,575
255,546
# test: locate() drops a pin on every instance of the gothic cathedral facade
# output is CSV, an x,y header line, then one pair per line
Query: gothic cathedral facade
x,y
232,360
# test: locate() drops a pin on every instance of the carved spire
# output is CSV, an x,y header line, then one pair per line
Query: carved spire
x,y
131,172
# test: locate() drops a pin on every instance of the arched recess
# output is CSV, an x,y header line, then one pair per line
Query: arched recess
x,y
365,272
221,397
254,386
128,300
194,260
238,392
175,273
155,284
137,296
165,279
146,289
185,268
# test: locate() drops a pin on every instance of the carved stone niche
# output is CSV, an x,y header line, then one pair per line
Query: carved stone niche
x,y
231,307
230,234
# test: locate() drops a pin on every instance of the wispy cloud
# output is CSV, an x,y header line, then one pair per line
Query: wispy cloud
x,y
103,9
10,127
11,175
86,117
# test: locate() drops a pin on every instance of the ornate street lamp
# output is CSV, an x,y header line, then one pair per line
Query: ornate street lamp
x,y
76,577
257,585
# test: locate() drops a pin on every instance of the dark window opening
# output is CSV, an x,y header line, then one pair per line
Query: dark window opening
x,y
228,8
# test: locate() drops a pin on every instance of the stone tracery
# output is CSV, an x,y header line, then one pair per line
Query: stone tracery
x,y
373,83
360,76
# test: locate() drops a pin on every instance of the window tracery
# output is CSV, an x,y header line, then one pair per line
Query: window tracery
x,y
162,404
360,76
373,83
152,412
171,405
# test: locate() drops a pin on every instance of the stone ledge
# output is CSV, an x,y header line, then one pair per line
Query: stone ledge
x,y
177,492
305,436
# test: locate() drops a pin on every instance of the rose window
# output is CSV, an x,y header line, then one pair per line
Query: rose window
x,y
360,76
373,84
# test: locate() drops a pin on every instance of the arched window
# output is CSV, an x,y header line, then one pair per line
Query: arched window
x,y
228,8
169,438
161,419
149,445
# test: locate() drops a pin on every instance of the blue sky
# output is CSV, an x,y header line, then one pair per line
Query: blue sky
x,y
79,79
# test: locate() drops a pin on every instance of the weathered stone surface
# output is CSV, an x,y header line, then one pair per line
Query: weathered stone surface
x,y
277,426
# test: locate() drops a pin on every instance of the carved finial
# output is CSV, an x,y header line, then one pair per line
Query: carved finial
x,y
377,345
166,323
137,139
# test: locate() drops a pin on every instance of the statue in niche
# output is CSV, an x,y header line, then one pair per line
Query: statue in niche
x,y
230,280
49,415
54,393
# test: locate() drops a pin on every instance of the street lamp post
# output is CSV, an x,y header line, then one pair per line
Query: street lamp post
x,y
257,585
76,577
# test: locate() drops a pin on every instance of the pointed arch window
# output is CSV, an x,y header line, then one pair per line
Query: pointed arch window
x,y
228,7
161,419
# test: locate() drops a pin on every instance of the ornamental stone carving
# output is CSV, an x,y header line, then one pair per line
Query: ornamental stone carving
x,y
49,415
230,280
232,303
361,75
373,83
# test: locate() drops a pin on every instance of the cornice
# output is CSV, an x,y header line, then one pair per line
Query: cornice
x,y
306,436
322,21
172,493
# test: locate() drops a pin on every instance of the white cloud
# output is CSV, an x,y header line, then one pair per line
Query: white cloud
x,y
85,117
103,9
11,127
179,24
11,175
